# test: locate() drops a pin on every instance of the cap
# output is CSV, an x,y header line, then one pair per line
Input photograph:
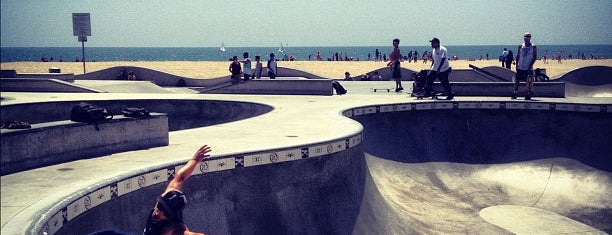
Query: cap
x,y
172,204
434,40
527,35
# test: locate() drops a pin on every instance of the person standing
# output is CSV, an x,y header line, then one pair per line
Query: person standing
x,y
394,64
440,69
525,58
272,67
509,58
236,70
503,57
167,214
246,64
258,67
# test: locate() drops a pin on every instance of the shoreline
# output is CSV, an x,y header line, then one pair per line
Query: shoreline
x,y
330,69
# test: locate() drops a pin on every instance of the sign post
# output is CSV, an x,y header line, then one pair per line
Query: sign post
x,y
81,27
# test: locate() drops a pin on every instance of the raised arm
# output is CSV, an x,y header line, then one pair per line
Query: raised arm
x,y
185,172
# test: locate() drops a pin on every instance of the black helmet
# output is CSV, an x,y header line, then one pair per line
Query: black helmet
x,y
172,204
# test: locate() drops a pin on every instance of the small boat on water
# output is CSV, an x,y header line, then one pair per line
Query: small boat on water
x,y
222,48
281,49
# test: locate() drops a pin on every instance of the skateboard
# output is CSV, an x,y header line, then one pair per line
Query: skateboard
x,y
420,96
381,89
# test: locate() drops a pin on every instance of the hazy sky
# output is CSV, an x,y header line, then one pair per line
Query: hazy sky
x,y
205,23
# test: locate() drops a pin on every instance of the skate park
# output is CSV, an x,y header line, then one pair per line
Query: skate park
x,y
360,163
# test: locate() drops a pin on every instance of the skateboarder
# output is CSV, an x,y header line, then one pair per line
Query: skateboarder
x,y
440,69
167,215
525,58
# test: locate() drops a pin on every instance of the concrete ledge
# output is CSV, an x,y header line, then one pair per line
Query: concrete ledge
x,y
541,89
41,85
280,86
62,141
60,76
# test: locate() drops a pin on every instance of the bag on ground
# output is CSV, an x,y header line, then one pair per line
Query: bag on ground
x,y
16,125
339,88
88,113
136,112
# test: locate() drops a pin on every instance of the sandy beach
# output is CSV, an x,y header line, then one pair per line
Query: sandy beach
x,y
213,69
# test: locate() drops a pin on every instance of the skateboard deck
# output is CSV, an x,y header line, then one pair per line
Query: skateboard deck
x,y
381,89
420,96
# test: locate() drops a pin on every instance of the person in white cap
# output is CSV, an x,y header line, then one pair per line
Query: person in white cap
x,y
525,58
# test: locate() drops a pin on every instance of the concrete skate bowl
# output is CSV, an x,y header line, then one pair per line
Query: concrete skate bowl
x,y
460,171
593,81
419,171
182,114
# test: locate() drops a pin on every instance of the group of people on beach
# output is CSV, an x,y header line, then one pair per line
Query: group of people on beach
x,y
244,68
440,67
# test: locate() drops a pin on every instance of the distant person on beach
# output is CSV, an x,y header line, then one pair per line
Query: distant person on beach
x,y
167,214
318,56
236,69
272,69
525,58
509,58
131,76
503,56
246,64
440,68
258,67
394,64
545,57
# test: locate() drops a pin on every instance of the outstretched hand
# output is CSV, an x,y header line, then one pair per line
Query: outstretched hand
x,y
202,153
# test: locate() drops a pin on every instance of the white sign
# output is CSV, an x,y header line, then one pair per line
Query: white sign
x,y
81,26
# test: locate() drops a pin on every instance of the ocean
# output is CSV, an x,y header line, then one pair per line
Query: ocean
x,y
17,54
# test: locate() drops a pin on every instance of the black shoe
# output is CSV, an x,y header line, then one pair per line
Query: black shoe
x,y
450,97
514,96
528,96
401,88
397,90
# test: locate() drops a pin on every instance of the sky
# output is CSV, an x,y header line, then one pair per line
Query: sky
x,y
267,23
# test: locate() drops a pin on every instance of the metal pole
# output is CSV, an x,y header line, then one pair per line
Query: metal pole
x,y
83,47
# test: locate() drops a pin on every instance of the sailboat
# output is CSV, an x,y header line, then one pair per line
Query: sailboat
x,y
281,49
222,48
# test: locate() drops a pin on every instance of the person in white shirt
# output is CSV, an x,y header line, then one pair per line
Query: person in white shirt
x,y
503,57
246,67
525,58
440,69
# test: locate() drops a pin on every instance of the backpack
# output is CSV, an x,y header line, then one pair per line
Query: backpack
x,y
16,125
136,112
88,113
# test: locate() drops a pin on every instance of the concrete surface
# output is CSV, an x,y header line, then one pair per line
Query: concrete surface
x,y
445,191
56,142
42,85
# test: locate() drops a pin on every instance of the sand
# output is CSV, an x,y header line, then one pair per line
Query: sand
x,y
213,69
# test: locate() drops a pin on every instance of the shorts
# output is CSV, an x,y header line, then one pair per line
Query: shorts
x,y
271,74
396,73
521,75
